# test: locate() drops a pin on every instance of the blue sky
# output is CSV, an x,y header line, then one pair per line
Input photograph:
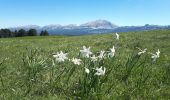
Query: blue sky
x,y
120,12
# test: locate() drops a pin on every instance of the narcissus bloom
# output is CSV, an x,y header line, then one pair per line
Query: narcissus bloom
x,y
158,52
141,51
155,56
101,54
112,52
100,71
87,70
117,36
60,57
76,61
94,58
86,52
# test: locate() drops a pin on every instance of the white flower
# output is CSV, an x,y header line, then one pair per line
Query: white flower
x,y
112,52
93,58
101,54
100,71
141,51
117,36
158,52
60,57
86,52
76,61
155,56
112,49
87,70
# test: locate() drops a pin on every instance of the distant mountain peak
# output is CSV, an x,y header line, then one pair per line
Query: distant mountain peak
x,y
99,24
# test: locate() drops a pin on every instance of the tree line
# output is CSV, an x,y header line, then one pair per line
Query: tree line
x,y
5,33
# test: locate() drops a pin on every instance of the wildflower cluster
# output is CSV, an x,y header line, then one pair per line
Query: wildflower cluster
x,y
86,53
153,56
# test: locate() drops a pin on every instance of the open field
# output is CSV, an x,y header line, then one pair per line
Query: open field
x,y
29,71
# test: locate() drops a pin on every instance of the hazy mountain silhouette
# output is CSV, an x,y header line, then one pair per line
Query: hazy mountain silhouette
x,y
93,27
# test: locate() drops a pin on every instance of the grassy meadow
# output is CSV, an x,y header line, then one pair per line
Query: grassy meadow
x,y
28,70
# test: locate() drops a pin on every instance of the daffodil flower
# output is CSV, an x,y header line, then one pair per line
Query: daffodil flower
x,y
76,61
60,57
86,52
87,70
94,58
141,51
112,52
117,36
100,71
101,55
155,56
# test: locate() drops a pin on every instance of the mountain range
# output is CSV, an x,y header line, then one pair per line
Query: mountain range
x,y
93,27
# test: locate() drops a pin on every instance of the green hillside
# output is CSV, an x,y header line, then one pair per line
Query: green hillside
x,y
28,69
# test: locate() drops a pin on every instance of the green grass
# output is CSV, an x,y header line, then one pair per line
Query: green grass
x,y
27,70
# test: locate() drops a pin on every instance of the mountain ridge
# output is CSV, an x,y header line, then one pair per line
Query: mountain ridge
x,y
92,27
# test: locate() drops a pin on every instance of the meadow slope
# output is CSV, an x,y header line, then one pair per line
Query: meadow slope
x,y
29,71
